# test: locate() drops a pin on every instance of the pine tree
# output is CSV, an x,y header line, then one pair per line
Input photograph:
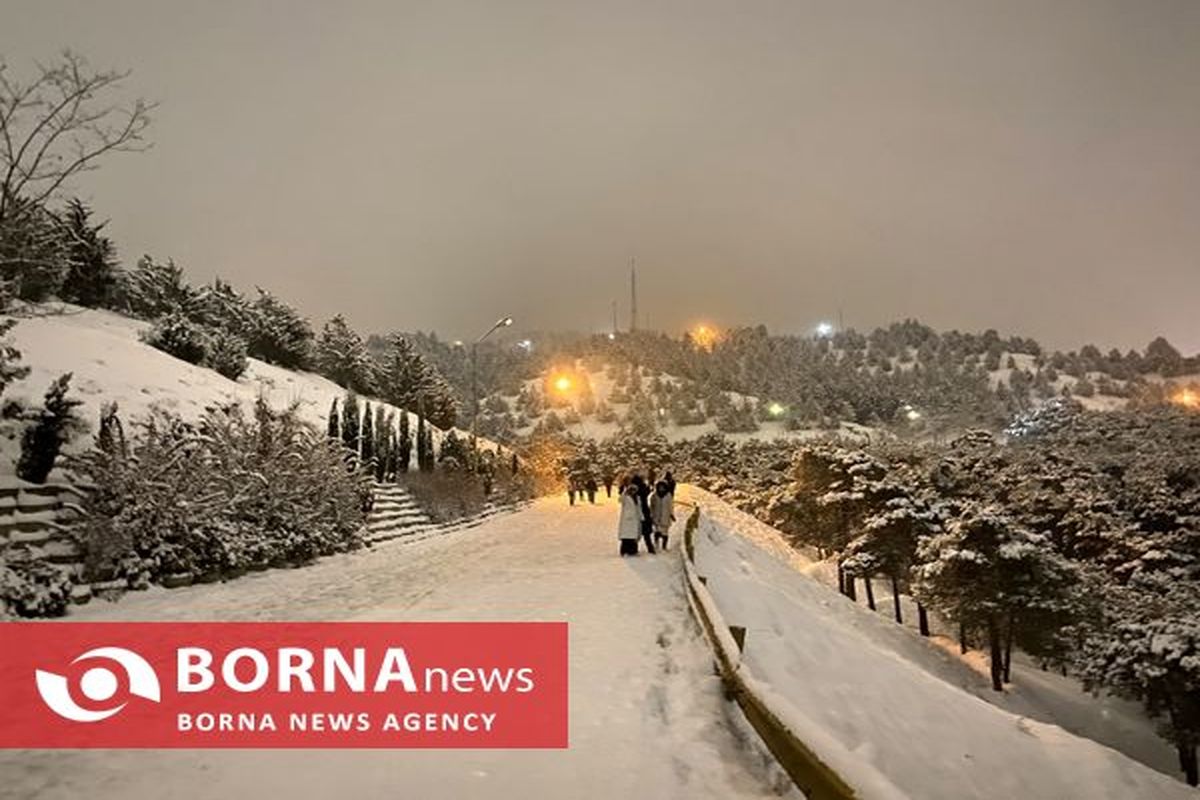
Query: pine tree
x,y
990,574
53,427
408,381
279,335
92,272
153,289
33,251
341,356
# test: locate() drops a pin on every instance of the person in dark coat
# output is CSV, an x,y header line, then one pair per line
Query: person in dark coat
x,y
608,483
591,488
643,494
571,490
669,479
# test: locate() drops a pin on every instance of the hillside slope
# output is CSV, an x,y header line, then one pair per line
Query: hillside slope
x,y
865,690
109,362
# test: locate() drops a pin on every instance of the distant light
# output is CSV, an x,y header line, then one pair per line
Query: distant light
x,y
705,336
776,409
824,329
504,323
1187,398
458,343
913,414
612,336
526,345
562,383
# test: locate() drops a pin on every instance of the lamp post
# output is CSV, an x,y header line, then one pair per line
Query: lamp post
x,y
503,322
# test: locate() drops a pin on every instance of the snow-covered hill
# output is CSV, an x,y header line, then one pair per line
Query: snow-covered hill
x,y
601,388
109,362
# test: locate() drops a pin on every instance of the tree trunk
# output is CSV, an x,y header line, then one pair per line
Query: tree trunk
x,y
962,639
851,590
1187,762
922,619
996,647
1008,646
841,579
896,600
870,592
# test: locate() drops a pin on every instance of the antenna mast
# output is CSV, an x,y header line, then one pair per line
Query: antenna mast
x,y
633,295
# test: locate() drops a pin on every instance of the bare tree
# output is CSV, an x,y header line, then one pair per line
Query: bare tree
x,y
58,125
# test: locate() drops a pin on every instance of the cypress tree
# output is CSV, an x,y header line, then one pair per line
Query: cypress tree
x,y
367,437
404,444
332,429
420,441
350,422
382,440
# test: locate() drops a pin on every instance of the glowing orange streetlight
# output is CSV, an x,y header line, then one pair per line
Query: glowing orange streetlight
x,y
705,336
562,383
1188,397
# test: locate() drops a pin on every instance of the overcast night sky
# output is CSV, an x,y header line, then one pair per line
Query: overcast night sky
x,y
1030,166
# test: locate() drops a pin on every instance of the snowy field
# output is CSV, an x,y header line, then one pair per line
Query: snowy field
x,y
865,691
648,717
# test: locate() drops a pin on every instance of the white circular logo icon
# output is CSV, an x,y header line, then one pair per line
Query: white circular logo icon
x,y
99,684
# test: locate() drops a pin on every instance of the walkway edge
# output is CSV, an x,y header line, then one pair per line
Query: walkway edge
x,y
813,777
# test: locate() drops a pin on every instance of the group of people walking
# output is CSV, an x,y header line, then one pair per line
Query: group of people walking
x,y
647,511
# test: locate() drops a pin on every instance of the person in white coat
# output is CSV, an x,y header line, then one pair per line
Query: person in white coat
x,y
662,512
629,523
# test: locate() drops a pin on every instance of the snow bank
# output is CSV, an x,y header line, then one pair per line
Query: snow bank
x,y
849,682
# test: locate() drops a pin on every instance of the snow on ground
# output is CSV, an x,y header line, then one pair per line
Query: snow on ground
x,y
648,717
912,711
110,362
1045,696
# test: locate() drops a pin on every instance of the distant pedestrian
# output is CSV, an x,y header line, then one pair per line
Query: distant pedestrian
x,y
591,487
608,484
669,479
662,513
629,522
571,491
643,494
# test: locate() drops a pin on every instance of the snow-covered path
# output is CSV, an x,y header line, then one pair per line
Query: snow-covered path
x,y
648,718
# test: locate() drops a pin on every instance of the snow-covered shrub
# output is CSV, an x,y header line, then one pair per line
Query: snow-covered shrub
x,y
50,429
30,587
229,492
225,352
178,336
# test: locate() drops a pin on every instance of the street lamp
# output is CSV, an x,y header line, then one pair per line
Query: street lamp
x,y
503,322
824,329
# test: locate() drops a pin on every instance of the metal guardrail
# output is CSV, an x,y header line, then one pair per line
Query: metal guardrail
x,y
811,775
